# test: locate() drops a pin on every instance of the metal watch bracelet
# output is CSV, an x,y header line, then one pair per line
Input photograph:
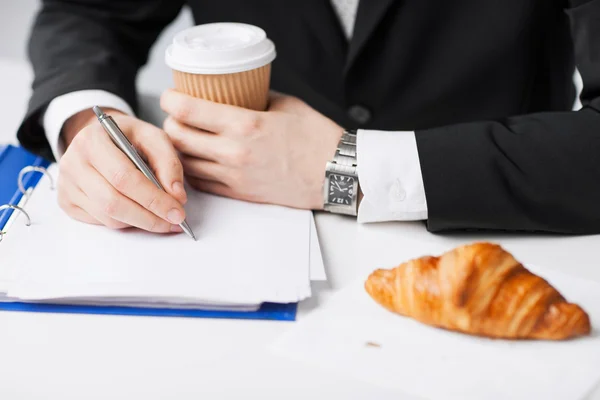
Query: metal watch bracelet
x,y
344,164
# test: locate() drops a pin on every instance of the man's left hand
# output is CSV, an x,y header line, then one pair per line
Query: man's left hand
x,y
275,157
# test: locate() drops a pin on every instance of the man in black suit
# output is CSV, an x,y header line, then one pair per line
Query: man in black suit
x,y
463,110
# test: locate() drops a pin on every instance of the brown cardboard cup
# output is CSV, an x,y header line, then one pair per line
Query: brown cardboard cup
x,y
227,63
248,89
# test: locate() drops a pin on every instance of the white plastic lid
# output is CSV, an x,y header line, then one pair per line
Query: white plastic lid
x,y
220,48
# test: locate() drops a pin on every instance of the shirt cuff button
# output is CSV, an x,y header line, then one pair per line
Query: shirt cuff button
x,y
397,193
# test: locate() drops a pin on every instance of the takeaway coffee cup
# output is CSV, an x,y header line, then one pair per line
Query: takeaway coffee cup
x,y
226,63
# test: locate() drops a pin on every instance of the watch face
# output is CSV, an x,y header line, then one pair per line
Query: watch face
x,y
341,189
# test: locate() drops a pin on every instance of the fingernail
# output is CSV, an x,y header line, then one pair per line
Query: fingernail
x,y
177,187
175,216
176,229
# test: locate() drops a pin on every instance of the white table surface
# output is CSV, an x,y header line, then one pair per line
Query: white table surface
x,y
59,356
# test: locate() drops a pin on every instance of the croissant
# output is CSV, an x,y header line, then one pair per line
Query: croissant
x,y
478,289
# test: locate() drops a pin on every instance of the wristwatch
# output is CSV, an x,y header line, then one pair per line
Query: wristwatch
x,y
340,190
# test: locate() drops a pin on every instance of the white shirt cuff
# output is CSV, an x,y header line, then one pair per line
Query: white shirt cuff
x,y
389,172
64,107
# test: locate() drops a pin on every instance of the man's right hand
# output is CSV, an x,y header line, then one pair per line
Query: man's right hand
x,y
98,184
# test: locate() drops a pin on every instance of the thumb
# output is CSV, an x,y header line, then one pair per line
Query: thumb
x,y
162,157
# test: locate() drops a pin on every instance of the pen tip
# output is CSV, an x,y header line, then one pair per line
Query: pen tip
x,y
186,228
98,111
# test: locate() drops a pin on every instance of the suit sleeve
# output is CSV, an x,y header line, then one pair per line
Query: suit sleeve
x,y
89,44
537,172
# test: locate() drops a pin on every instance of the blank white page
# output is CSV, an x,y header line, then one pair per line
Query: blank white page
x,y
317,267
5,271
245,253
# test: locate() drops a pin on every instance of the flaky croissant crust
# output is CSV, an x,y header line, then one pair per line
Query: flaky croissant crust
x,y
479,289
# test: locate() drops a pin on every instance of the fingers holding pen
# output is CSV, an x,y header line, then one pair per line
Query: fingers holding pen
x,y
101,185
127,180
162,157
106,201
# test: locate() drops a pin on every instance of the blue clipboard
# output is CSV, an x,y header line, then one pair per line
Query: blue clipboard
x,y
12,160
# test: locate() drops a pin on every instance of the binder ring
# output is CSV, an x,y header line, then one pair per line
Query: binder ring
x,y
32,168
17,208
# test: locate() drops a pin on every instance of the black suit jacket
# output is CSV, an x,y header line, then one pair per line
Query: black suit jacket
x,y
486,85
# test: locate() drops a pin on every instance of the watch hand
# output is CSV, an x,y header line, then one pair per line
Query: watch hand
x,y
338,185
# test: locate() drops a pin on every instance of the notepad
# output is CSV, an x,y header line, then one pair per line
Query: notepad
x,y
246,254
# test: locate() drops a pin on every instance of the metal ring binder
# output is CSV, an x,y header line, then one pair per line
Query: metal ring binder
x,y
32,168
25,192
16,208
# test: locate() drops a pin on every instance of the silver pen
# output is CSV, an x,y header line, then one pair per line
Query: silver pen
x,y
121,141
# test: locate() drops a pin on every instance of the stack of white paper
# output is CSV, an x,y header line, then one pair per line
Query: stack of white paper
x,y
246,254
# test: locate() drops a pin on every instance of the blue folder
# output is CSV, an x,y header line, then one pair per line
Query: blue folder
x,y
12,160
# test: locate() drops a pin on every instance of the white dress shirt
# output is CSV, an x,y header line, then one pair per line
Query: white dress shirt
x,y
389,170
